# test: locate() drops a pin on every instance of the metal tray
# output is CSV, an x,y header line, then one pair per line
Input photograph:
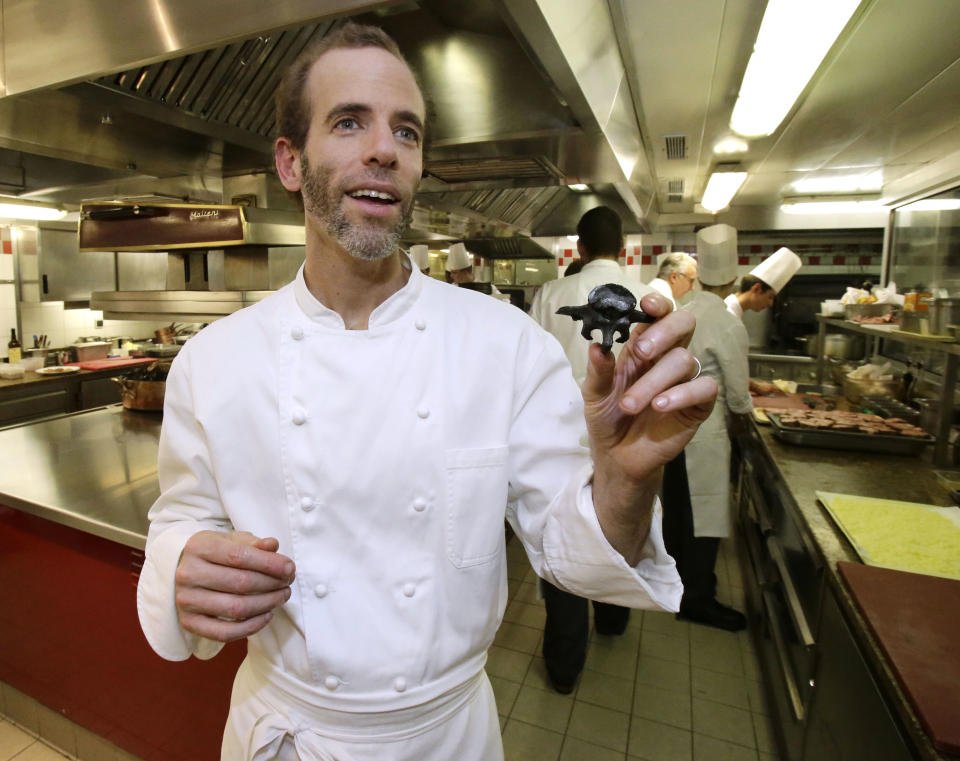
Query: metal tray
x,y
848,440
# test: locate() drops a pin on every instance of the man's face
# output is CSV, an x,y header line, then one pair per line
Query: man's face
x,y
761,299
362,162
681,282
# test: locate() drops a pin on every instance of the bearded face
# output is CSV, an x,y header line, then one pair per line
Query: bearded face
x,y
365,237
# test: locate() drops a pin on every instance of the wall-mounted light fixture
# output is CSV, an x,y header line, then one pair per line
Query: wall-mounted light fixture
x,y
15,208
722,187
794,37
579,187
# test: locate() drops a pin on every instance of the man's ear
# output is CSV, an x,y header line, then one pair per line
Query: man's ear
x,y
287,160
756,289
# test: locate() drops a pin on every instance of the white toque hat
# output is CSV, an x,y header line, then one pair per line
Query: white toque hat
x,y
777,269
459,258
420,256
717,254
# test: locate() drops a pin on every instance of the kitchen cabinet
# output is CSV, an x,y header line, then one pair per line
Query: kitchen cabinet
x,y
68,274
951,352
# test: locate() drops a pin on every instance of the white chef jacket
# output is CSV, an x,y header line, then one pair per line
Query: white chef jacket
x,y
733,306
720,342
573,291
662,287
384,461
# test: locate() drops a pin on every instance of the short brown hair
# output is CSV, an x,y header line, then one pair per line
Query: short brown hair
x,y
293,108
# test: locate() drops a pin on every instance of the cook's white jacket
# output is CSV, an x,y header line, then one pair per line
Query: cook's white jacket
x,y
573,291
721,343
384,461
733,305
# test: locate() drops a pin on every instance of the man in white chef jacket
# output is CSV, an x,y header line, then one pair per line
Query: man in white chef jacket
x,y
459,266
760,287
599,240
696,487
339,501
676,276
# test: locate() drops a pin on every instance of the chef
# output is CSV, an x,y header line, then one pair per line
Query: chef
x,y
346,516
420,256
760,287
696,489
459,266
676,276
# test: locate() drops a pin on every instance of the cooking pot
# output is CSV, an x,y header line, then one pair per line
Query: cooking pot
x,y
838,345
142,394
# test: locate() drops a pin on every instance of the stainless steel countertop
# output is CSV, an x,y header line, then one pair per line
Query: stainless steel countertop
x,y
94,470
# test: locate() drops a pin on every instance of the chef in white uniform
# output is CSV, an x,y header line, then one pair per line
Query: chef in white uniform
x,y
459,266
676,276
335,492
420,256
599,240
760,287
696,491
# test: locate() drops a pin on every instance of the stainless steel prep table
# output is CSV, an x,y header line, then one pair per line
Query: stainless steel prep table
x,y
95,471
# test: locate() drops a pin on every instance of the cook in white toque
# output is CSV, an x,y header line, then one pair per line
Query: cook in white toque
x,y
459,264
777,269
420,256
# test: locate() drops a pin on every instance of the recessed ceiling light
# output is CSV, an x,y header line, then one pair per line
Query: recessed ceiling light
x,y
730,144
841,183
721,188
579,187
831,207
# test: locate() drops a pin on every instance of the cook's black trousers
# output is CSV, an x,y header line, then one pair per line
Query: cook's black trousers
x,y
696,556
568,627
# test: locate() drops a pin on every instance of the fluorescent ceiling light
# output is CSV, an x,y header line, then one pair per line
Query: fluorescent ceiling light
x,y
932,204
730,144
831,207
573,238
579,187
793,40
721,187
13,209
841,183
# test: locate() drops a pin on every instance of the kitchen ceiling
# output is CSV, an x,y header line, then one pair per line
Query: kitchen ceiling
x,y
173,98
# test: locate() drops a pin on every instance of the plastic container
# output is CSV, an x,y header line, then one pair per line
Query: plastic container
x,y
855,389
832,308
11,372
92,350
31,364
853,311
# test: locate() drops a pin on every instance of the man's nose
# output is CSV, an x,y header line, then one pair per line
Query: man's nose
x,y
381,147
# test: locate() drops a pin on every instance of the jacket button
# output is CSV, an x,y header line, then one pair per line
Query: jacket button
x,y
306,504
409,588
299,417
399,684
296,333
423,413
420,325
331,682
320,590
419,504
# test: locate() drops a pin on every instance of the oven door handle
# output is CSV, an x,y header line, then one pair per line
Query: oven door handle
x,y
797,616
782,658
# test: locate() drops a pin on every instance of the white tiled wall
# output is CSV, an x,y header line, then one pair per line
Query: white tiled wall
x,y
64,326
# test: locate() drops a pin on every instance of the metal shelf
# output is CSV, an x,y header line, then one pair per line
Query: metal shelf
x,y
951,350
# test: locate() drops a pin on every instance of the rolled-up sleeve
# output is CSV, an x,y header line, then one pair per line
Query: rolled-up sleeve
x,y
188,503
551,500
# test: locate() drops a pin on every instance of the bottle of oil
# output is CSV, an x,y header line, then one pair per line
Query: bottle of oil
x,y
14,352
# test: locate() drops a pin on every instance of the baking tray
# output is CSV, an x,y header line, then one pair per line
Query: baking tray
x,y
848,440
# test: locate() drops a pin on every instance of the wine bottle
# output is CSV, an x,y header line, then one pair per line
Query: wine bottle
x,y
13,348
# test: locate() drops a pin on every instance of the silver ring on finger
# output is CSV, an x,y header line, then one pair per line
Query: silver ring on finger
x,y
699,369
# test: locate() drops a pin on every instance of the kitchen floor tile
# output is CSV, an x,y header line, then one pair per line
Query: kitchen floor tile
x,y
542,708
525,742
600,726
723,722
13,740
666,706
653,741
581,750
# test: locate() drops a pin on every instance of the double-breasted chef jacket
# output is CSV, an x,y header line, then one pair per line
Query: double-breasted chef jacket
x,y
721,343
573,291
384,460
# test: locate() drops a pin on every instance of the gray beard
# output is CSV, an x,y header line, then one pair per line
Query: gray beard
x,y
370,242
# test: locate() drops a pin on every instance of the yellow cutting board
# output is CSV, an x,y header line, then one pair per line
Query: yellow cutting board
x,y
906,536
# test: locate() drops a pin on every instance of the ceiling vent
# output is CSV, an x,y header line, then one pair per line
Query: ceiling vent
x,y
676,146
675,190
477,170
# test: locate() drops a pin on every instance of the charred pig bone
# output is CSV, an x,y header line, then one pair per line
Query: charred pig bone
x,y
610,309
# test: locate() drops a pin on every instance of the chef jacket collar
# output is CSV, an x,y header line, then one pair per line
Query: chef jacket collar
x,y
395,306
598,264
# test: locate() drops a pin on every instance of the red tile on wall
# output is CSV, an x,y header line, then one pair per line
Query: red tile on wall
x,y
837,259
813,260
7,246
657,250
647,259
743,260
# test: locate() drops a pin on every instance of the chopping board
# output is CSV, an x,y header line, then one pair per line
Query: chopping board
x,y
907,536
108,364
788,402
915,618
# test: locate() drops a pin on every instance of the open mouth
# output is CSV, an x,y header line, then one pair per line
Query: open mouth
x,y
378,197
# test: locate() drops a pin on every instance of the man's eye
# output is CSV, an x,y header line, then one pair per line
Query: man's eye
x,y
346,123
408,133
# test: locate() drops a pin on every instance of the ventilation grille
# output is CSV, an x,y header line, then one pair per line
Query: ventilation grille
x,y
675,190
475,170
676,146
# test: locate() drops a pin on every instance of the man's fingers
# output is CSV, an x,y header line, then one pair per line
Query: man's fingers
x,y
241,551
199,572
220,630
230,606
600,372
695,397
656,305
672,369
656,339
